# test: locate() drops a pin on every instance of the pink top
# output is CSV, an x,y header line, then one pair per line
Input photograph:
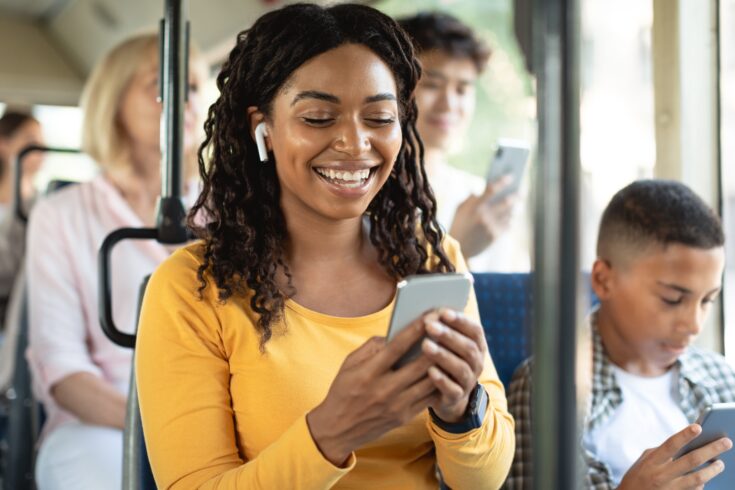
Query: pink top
x,y
65,232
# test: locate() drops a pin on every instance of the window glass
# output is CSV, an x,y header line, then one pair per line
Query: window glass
x,y
727,159
617,134
62,129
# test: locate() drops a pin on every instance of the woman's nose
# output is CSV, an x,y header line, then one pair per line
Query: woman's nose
x,y
352,139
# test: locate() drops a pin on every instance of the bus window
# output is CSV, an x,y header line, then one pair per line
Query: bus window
x,y
727,161
62,129
617,138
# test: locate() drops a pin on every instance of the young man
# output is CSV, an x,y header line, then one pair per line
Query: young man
x,y
659,266
453,58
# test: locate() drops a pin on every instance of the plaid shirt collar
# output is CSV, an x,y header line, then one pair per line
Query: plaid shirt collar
x,y
606,395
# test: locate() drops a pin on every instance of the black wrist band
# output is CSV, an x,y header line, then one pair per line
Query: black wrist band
x,y
473,416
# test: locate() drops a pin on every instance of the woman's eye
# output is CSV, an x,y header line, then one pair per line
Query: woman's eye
x,y
380,121
317,121
671,302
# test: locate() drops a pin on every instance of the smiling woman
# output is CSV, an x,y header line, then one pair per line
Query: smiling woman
x,y
335,130
260,356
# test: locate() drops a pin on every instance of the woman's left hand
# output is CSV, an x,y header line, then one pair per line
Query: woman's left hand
x,y
457,346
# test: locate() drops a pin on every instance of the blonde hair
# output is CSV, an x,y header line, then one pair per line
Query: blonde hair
x,y
103,137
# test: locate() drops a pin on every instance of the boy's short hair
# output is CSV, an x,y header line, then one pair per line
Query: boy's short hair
x,y
443,32
657,212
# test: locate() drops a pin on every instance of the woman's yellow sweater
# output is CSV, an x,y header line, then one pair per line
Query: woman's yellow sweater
x,y
218,413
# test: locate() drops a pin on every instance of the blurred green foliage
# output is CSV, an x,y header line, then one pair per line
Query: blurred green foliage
x,y
505,99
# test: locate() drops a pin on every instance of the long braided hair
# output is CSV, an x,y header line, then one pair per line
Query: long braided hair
x,y
245,227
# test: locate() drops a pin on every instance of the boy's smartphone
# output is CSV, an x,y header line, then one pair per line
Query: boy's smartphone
x,y
717,421
510,159
420,294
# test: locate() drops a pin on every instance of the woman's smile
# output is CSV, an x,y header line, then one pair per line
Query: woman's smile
x,y
347,178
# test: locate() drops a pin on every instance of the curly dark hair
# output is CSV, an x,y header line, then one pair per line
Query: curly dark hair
x,y
659,212
246,230
444,32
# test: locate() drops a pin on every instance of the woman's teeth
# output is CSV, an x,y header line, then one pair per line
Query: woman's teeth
x,y
345,178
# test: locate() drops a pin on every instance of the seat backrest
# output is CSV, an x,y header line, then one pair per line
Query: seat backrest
x,y
505,303
137,473
24,413
56,184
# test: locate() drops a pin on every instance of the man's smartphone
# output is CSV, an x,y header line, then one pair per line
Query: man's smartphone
x,y
717,421
417,295
510,159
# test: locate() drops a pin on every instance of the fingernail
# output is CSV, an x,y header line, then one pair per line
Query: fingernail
x,y
449,315
431,317
430,346
435,328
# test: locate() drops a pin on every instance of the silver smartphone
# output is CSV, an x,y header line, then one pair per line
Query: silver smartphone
x,y
717,421
421,294
510,159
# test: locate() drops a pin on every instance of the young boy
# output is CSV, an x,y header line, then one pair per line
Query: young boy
x,y
453,58
659,266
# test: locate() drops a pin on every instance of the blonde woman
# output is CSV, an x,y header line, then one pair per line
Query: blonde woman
x,y
80,376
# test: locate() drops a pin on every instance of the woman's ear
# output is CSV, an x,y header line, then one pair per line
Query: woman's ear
x,y
255,117
602,278
259,132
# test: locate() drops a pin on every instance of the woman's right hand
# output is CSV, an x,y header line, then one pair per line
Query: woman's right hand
x,y
368,398
657,468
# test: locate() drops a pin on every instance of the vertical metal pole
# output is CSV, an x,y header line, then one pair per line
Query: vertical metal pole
x,y
554,396
172,118
174,81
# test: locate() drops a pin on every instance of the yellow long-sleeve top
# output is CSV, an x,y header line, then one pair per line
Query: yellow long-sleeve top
x,y
218,413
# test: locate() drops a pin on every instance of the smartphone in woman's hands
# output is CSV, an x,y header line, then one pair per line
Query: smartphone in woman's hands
x,y
420,294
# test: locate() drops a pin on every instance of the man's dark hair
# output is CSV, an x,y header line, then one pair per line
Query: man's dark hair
x,y
443,32
663,212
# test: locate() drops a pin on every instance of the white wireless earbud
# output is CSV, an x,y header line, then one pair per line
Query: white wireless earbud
x,y
260,142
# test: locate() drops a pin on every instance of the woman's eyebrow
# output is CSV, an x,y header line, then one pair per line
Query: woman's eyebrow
x,y
315,94
380,97
674,287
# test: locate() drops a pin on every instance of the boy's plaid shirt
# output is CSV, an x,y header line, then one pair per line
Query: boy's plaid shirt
x,y
704,378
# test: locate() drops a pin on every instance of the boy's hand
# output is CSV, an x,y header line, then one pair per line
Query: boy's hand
x,y
657,468
480,220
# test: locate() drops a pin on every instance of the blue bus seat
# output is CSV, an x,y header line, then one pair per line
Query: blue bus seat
x,y
505,301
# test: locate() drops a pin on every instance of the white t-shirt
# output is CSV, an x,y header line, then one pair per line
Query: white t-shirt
x,y
508,253
649,414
